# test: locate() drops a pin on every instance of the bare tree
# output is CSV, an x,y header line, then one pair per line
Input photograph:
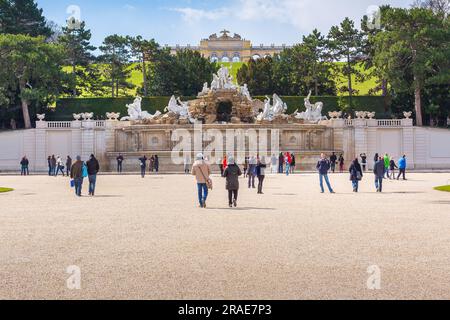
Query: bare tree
x,y
438,6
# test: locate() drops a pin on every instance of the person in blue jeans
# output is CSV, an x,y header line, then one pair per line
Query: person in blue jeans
x,y
402,168
76,173
93,168
323,166
202,171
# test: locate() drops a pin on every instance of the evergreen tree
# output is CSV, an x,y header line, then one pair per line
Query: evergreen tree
x,y
23,17
144,51
76,42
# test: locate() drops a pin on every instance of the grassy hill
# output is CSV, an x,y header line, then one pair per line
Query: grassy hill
x,y
362,87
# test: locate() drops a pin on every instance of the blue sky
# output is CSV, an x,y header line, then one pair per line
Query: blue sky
x,y
187,21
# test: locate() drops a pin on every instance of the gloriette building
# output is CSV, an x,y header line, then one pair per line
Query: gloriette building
x,y
226,48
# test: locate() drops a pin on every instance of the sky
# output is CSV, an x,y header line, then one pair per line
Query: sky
x,y
185,22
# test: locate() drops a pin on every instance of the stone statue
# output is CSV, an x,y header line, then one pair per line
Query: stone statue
x,y
271,112
205,90
135,112
77,116
87,116
313,112
215,84
112,116
245,92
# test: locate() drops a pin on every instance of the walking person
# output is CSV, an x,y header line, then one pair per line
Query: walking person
x,y
143,165
119,160
392,167
76,173
246,167
232,174
363,161
156,163
53,164
287,163
93,167
24,163
356,174
151,164
49,162
68,165
379,171
333,161
341,163
187,164
59,166
261,173
222,170
274,164
323,166
293,164
402,167
252,172
202,172
387,161
280,163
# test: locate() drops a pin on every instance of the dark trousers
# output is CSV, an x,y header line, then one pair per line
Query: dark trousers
x,y
232,196
260,183
280,168
58,169
119,167
364,167
379,183
49,171
402,172
92,183
251,180
68,171
78,185
143,168
333,167
24,171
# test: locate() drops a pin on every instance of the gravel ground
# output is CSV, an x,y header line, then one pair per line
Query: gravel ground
x,y
146,239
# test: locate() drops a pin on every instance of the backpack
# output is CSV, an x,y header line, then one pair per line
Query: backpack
x,y
84,171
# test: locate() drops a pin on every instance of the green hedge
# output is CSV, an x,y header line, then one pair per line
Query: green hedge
x,y
99,106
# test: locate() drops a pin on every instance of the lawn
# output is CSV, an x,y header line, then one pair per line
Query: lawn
x,y
443,188
3,190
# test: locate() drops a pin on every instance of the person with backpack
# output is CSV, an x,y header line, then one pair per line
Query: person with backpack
x,y
77,174
392,167
323,166
143,165
402,167
356,174
202,172
232,174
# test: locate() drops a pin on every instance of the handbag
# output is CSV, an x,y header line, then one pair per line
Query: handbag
x,y
84,171
209,182
358,176
72,183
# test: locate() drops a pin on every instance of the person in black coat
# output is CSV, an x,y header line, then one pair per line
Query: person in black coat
x,y
356,174
232,174
379,170
93,167
24,166
143,165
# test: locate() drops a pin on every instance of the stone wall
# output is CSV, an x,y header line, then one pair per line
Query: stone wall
x,y
426,148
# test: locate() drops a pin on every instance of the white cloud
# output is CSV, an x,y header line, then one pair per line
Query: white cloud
x,y
192,15
129,7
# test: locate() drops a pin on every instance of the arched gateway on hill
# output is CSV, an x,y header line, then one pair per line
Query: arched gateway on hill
x,y
226,48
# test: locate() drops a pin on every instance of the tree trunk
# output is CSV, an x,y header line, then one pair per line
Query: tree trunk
x,y
144,71
113,87
74,72
26,114
418,103
384,85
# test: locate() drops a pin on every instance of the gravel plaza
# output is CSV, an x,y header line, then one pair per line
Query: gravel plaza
x,y
147,239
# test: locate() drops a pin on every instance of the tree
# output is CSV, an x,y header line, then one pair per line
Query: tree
x,y
144,51
76,42
345,43
116,55
414,46
440,7
183,74
315,57
33,66
22,17
258,75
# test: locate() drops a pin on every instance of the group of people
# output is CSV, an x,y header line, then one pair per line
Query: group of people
x,y
80,170
384,168
334,160
254,167
57,165
153,164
